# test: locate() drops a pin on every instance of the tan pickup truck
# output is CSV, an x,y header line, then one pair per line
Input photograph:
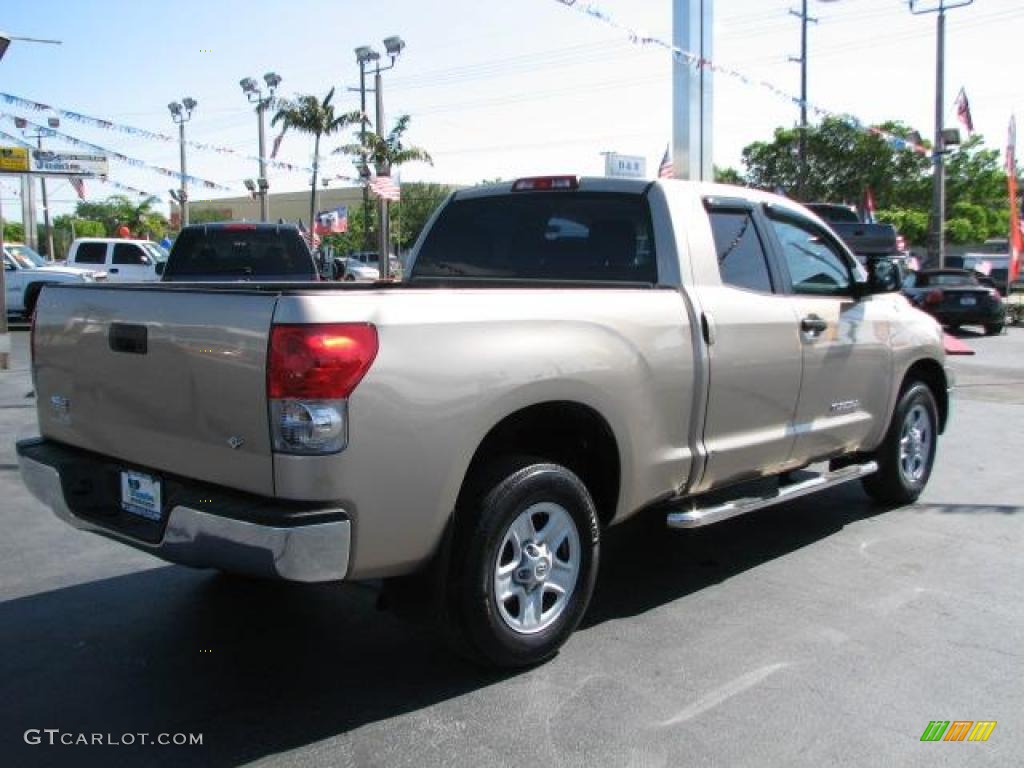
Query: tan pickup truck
x,y
563,354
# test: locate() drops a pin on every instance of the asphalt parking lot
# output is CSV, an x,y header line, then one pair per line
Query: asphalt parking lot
x,y
823,632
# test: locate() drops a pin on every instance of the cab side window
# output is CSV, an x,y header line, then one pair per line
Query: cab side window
x,y
129,253
816,267
741,258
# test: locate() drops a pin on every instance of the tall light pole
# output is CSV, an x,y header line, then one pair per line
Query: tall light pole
x,y
255,95
181,114
936,233
365,55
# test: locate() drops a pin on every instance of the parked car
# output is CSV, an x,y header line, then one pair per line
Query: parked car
x,y
124,261
364,266
564,354
239,251
26,273
991,258
957,297
866,240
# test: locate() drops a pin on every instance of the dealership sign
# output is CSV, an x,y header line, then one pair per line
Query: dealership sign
x,y
624,166
45,162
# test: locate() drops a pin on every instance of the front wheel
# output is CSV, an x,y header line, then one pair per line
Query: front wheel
x,y
907,453
524,564
993,329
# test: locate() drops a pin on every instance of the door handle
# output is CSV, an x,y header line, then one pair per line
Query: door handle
x,y
812,325
113,270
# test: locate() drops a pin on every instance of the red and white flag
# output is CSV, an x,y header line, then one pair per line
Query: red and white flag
x,y
78,185
665,170
332,222
868,206
963,111
310,237
386,188
1016,235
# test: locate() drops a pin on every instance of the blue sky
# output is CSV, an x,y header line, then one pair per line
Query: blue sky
x,y
494,88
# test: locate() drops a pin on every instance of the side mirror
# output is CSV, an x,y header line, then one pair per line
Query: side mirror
x,y
883,276
160,267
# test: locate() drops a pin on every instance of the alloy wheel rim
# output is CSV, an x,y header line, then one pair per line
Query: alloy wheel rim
x,y
915,444
536,568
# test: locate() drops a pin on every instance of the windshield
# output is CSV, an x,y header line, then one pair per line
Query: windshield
x,y
26,257
155,251
952,279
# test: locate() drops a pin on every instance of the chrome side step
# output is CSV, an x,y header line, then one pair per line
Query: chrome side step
x,y
696,516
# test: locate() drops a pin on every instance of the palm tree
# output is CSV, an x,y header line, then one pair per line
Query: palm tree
x,y
307,114
384,152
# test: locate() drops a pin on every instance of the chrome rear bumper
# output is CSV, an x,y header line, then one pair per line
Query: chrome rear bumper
x,y
202,539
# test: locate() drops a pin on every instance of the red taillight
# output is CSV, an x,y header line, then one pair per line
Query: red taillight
x,y
319,362
933,297
545,183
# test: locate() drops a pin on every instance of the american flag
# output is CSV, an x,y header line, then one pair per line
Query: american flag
x,y
665,170
386,188
963,111
78,185
311,238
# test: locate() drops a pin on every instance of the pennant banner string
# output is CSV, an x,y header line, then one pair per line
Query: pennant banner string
x,y
195,180
109,125
679,54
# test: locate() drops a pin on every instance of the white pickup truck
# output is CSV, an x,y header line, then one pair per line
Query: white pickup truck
x,y
26,272
562,355
124,261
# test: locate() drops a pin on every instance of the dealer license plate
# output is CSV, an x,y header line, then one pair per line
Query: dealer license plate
x,y
968,301
140,494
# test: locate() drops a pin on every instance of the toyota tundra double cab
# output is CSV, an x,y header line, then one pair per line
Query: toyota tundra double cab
x,y
563,354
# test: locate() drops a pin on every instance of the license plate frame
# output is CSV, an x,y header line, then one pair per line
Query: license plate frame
x,y
968,301
141,495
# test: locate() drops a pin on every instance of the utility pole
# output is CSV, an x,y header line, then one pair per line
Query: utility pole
x,y
801,179
936,229
5,339
181,114
255,95
52,122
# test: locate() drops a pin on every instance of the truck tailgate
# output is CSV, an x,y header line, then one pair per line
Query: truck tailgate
x,y
172,380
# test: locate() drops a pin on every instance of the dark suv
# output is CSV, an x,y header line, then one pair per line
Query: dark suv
x,y
240,251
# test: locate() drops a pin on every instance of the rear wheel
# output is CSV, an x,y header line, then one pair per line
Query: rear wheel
x,y
31,297
907,453
993,329
524,564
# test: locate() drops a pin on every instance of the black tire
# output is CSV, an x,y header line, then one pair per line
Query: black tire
x,y
31,297
993,329
898,480
349,279
479,623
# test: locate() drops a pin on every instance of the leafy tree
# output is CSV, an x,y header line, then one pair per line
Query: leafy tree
x,y
419,201
911,223
729,176
13,232
80,227
307,114
118,210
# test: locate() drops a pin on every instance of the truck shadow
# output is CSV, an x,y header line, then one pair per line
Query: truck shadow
x,y
261,668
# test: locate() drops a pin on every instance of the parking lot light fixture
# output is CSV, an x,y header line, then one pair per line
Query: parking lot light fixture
x,y
256,96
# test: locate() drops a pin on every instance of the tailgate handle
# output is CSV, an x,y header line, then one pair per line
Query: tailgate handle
x,y
128,338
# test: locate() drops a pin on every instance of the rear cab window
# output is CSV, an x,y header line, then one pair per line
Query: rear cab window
x,y
558,236
241,252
